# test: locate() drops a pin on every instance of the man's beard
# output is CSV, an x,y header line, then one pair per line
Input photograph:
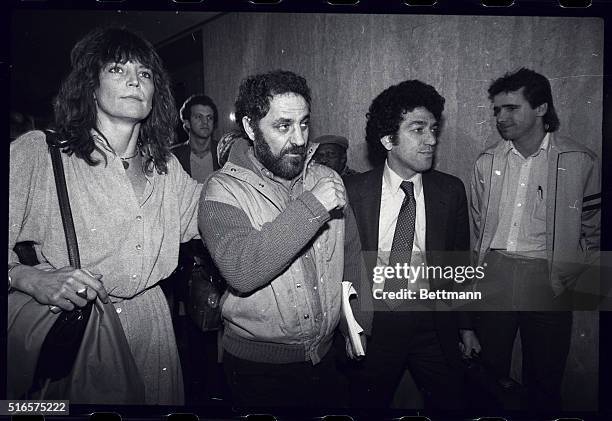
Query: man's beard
x,y
282,166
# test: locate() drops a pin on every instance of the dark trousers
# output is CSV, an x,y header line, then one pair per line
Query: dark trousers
x,y
545,340
545,335
301,384
403,340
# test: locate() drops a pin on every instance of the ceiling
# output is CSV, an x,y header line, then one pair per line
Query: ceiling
x,y
41,40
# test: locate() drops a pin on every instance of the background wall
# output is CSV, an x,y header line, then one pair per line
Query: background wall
x,y
349,59
40,51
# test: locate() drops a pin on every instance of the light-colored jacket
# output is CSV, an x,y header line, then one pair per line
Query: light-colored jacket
x,y
572,207
274,314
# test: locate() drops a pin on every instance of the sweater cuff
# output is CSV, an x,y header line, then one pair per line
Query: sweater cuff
x,y
314,206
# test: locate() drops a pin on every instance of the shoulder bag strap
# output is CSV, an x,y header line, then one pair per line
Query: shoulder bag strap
x,y
62,194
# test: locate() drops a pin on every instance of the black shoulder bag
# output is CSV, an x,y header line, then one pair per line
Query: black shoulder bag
x,y
61,345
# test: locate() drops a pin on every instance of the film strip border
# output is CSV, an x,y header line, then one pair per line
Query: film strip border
x,y
390,6
553,7
486,3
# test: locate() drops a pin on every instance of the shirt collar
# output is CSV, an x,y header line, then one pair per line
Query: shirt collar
x,y
543,147
545,142
393,181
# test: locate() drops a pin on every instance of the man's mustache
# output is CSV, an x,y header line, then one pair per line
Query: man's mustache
x,y
298,150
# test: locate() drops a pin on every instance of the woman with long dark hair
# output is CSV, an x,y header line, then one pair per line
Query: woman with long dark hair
x,y
132,203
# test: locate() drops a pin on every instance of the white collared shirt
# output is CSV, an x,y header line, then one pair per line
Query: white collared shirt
x,y
391,199
522,209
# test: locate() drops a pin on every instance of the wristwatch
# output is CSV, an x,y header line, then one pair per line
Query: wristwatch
x,y
11,266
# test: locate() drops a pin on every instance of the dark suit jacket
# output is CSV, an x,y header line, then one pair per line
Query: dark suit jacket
x,y
447,229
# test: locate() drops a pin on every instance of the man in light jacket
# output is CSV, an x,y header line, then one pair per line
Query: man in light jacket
x,y
535,209
276,224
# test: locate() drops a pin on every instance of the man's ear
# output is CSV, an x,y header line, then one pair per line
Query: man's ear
x,y
246,124
541,109
387,142
186,126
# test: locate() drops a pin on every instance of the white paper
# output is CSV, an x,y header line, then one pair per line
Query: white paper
x,y
353,327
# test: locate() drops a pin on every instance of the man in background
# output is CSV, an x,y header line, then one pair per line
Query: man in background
x,y
198,154
196,282
332,153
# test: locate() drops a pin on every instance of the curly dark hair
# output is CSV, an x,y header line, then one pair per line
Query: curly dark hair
x,y
388,108
256,91
199,99
536,91
75,108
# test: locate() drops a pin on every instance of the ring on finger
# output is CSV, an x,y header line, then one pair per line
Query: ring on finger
x,y
82,292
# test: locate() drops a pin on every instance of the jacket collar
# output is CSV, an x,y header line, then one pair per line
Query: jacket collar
x,y
544,146
558,144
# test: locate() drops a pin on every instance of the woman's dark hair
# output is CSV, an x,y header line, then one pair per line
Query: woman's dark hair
x,y
388,108
75,108
536,90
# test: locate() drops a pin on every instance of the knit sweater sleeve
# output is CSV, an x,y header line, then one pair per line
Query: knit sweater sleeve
x,y
250,258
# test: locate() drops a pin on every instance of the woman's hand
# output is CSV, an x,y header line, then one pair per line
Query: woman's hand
x,y
65,288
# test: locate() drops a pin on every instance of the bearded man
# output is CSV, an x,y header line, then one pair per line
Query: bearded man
x,y
276,224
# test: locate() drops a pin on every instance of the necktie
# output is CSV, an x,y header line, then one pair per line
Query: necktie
x,y
403,239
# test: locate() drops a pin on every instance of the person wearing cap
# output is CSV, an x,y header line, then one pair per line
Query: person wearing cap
x,y
332,153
